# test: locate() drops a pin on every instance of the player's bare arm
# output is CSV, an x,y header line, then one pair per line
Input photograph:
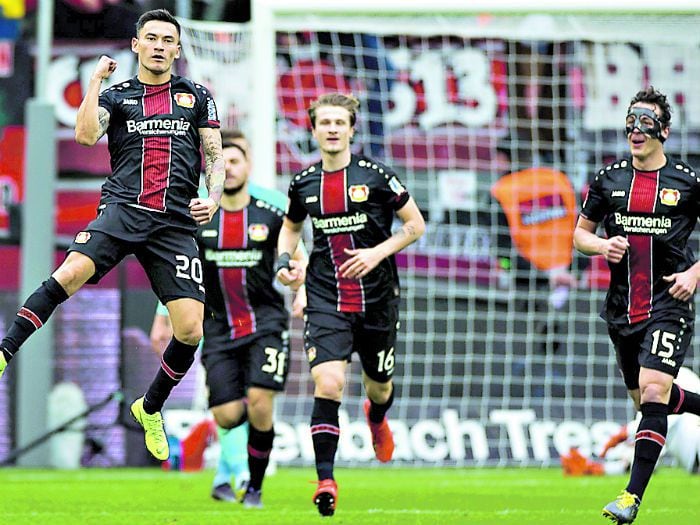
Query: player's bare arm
x,y
290,271
92,120
588,243
364,260
203,209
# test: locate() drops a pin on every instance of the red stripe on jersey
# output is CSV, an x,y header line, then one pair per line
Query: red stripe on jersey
x,y
642,199
334,200
651,436
233,228
157,151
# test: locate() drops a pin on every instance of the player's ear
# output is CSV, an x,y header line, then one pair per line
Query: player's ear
x,y
135,45
179,49
665,132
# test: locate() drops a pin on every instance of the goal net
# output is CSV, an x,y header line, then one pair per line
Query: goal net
x,y
496,124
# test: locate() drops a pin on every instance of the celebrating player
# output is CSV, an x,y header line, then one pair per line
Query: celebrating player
x,y
352,286
649,205
155,123
246,348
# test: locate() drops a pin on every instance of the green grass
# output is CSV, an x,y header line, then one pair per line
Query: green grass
x,y
367,496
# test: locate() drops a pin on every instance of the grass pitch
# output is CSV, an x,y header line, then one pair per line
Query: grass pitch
x,y
383,496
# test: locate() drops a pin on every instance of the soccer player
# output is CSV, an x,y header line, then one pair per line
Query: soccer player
x,y
352,286
648,204
246,348
155,123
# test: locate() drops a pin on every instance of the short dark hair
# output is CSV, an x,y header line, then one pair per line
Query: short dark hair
x,y
162,15
654,96
348,102
232,138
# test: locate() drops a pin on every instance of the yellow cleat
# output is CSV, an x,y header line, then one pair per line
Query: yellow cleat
x,y
3,363
156,440
624,509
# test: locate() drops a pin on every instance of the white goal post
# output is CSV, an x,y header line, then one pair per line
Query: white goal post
x,y
496,115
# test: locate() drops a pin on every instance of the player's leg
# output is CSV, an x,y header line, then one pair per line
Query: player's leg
x,y
328,340
267,373
625,507
329,382
260,438
232,428
225,381
91,255
375,343
170,258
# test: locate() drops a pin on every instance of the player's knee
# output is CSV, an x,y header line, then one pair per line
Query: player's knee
x,y
329,386
655,392
190,334
74,273
229,419
260,403
379,392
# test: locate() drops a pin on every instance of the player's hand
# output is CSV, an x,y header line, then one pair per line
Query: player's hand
x,y
105,67
614,248
299,303
293,276
202,210
684,284
361,262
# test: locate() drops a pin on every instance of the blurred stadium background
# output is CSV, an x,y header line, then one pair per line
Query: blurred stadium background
x,y
496,119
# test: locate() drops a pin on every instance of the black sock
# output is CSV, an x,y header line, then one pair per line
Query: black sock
x,y
34,313
259,448
377,412
683,401
176,361
648,443
325,431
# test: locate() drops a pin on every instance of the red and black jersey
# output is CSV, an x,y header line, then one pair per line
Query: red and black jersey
x,y
350,208
154,143
656,211
237,249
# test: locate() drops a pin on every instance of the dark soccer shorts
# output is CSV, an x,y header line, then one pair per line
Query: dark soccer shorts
x,y
169,254
657,344
263,363
334,336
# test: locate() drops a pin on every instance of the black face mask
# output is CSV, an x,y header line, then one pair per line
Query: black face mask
x,y
646,121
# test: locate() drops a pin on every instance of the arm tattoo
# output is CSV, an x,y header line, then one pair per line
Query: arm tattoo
x,y
102,121
215,172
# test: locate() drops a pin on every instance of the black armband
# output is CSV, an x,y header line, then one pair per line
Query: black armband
x,y
282,262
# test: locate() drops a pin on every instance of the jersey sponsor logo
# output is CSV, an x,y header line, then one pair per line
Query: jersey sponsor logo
x,y
311,199
670,197
396,186
161,127
618,193
358,192
184,100
341,223
82,237
233,258
643,224
258,232
130,102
